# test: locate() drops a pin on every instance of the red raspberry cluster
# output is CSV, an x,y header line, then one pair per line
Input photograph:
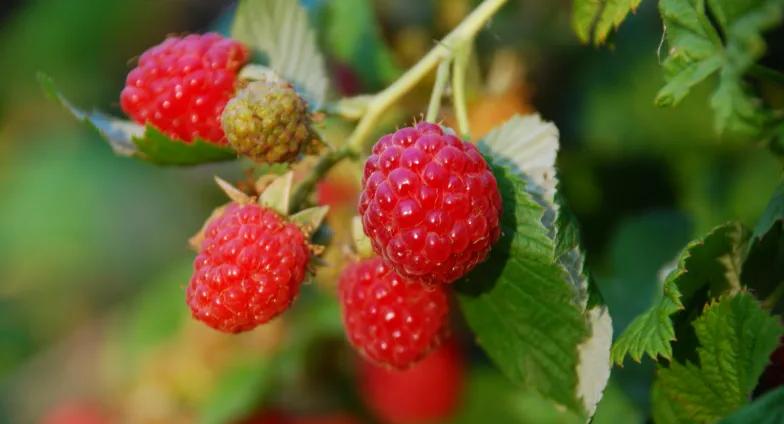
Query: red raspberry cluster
x,y
431,208
429,204
182,85
249,268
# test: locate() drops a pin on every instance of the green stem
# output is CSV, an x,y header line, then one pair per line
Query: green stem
x,y
459,70
774,298
442,51
763,72
325,163
375,105
442,76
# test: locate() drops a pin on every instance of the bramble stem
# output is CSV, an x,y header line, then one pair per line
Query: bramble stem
x,y
462,34
442,77
373,107
325,163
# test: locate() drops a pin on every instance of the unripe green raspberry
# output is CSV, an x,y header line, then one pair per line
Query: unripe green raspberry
x,y
268,122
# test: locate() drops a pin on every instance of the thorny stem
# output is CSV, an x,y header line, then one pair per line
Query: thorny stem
x,y
460,37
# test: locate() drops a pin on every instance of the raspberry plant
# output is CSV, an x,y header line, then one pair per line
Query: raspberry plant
x,y
449,225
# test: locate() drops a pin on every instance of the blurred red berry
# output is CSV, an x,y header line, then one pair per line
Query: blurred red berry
x,y
249,268
277,417
427,392
429,204
182,85
390,319
335,193
75,413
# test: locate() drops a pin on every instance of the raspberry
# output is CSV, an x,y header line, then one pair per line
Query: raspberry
x,y
268,122
249,268
429,204
389,319
181,85
427,392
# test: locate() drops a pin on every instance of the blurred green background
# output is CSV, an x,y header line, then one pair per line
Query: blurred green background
x,y
93,252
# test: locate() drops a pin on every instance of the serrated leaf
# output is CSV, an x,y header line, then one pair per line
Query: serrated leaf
x,y
711,263
763,269
310,219
277,195
697,50
528,304
280,29
736,338
768,409
128,138
593,20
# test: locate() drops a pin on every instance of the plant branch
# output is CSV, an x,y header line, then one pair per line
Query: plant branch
x,y
463,33
372,107
459,70
325,163
442,77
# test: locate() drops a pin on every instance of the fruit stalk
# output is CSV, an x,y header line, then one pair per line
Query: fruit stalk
x,y
457,40
443,50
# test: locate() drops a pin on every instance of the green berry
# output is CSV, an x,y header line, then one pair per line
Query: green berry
x,y
268,122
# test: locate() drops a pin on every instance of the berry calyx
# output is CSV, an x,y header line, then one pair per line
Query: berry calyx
x,y
249,268
268,122
182,85
427,392
429,204
391,320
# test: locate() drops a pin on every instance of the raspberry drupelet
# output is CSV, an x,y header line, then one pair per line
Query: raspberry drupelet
x,y
429,204
182,85
391,320
249,269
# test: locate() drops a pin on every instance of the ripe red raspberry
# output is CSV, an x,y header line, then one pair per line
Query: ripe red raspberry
x,y
389,319
181,85
249,268
427,392
429,204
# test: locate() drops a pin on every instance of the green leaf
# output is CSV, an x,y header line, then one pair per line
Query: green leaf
x,y
280,29
528,304
491,398
736,338
763,270
594,19
237,393
697,50
128,138
353,38
712,262
769,409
